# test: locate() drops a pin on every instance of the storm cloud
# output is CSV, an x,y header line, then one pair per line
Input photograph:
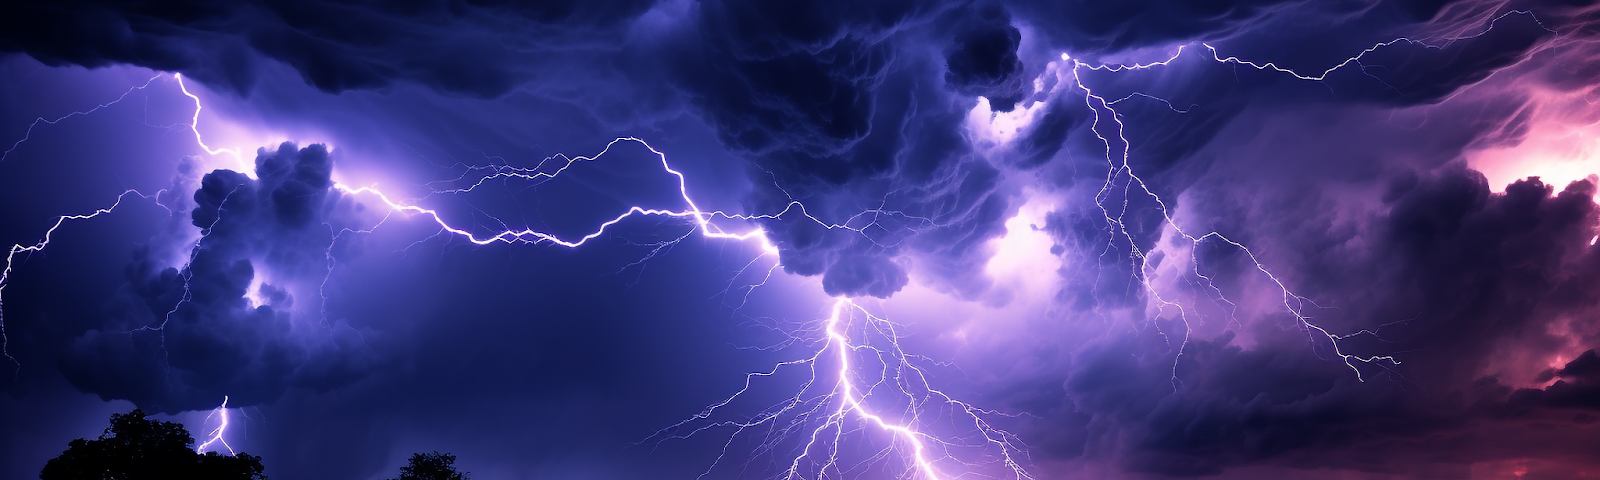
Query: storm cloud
x,y
223,325
1269,238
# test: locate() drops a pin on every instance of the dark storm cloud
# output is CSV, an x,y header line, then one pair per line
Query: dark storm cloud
x,y
1466,286
983,61
1172,117
843,106
852,106
467,47
1478,277
201,337
839,102
1577,386
795,79
1111,26
1089,28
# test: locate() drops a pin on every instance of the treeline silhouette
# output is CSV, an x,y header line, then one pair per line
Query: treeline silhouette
x,y
138,448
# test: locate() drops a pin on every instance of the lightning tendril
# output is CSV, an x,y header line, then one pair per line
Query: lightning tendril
x,y
857,375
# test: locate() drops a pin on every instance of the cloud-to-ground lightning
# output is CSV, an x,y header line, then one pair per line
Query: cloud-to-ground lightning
x,y
847,399
869,369
864,347
216,435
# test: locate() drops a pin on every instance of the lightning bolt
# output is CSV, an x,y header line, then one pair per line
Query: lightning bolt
x,y
855,340
11,256
188,275
216,435
1356,59
41,120
194,126
1109,128
830,408
848,399
1107,120
40,246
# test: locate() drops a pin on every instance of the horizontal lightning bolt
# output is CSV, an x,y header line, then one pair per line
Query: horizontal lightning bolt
x,y
11,255
1356,60
41,120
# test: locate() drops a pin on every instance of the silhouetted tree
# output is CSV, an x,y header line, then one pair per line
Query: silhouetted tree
x,y
137,448
431,466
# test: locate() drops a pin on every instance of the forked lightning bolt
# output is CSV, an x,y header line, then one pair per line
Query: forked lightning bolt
x,y
848,400
216,435
862,347
11,256
41,120
832,404
852,400
1108,127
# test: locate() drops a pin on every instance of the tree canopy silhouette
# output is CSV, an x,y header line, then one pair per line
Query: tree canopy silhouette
x,y
138,448
431,466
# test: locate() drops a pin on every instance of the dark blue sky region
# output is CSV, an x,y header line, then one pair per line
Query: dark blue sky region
x,y
1240,239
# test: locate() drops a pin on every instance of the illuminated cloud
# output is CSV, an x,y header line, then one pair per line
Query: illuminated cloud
x,y
238,318
1259,239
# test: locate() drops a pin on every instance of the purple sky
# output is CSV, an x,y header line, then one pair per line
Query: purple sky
x,y
1240,239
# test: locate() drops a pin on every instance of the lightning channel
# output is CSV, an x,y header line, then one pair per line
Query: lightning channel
x,y
832,404
846,399
215,437
1109,128
27,134
850,337
37,247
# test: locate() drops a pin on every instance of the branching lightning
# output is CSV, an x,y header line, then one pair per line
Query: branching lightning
x,y
38,120
1118,167
858,375
215,437
1356,60
1109,128
828,412
832,411
11,255
844,402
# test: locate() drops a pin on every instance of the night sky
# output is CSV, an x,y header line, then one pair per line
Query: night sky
x,y
733,239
